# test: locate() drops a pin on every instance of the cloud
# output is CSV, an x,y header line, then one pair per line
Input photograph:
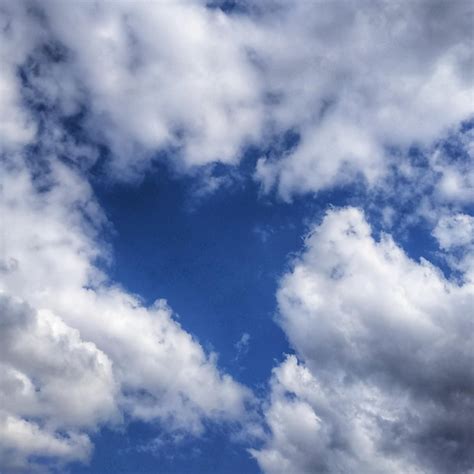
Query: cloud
x,y
78,351
353,82
431,183
385,345
18,35
455,173
51,381
22,439
455,231
356,80
455,235
242,346
150,86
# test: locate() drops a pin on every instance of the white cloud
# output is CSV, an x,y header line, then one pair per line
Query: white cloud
x,y
79,351
455,177
455,231
242,346
51,381
386,345
18,35
22,439
425,187
173,75
455,235
355,78
310,432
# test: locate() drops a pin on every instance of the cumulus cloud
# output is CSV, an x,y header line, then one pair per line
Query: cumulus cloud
x,y
355,80
18,35
455,174
352,81
51,382
79,351
160,76
386,348
455,231
455,235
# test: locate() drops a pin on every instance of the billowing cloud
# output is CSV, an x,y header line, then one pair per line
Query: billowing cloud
x,y
51,382
18,35
425,187
386,378
356,80
78,351
455,231
156,76
455,235
352,81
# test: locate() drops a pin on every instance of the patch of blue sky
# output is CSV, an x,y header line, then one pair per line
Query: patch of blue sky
x,y
217,259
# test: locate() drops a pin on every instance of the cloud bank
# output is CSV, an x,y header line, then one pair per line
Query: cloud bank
x,y
386,374
351,81
356,80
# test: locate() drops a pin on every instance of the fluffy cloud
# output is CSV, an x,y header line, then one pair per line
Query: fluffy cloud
x,y
77,351
18,35
455,171
387,371
455,235
50,381
355,80
455,231
158,76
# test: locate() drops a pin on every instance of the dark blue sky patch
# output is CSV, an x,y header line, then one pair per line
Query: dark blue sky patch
x,y
144,448
217,263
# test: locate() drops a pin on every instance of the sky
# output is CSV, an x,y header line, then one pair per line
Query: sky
x,y
237,237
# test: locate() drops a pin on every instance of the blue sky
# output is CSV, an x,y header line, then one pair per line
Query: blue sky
x,y
237,237
218,295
